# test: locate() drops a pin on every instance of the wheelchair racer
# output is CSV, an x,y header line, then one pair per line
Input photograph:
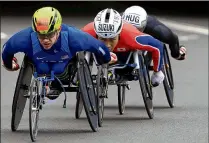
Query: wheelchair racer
x,y
137,16
51,45
122,37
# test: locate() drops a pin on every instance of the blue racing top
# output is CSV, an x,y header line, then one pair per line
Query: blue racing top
x,y
70,41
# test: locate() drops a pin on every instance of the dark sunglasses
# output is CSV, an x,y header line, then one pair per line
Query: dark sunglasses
x,y
46,36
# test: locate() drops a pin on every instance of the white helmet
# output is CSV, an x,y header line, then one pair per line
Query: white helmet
x,y
108,23
137,16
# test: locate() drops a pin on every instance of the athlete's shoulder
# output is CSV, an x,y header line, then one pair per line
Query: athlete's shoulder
x,y
23,33
19,42
89,28
21,38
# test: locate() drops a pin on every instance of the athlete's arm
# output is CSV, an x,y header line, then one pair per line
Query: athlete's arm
x,y
85,42
19,42
148,43
163,33
160,31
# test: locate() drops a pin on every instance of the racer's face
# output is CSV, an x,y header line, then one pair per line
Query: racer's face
x,y
110,42
48,40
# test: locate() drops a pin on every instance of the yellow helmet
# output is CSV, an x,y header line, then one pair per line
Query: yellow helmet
x,y
46,20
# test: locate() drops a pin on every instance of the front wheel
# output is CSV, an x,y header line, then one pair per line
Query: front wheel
x,y
34,108
121,98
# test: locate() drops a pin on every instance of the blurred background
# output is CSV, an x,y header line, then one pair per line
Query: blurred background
x,y
186,8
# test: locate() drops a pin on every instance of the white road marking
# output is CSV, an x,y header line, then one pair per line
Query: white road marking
x,y
3,35
185,27
188,37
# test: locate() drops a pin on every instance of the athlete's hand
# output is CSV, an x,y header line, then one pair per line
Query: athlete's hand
x,y
15,65
182,51
114,58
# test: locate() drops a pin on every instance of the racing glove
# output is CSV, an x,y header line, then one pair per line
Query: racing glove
x,y
182,52
114,58
15,65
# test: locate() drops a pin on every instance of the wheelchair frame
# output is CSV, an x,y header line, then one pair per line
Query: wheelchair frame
x,y
86,88
102,70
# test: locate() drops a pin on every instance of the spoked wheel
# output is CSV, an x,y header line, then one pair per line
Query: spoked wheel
x,y
79,105
21,89
101,93
168,80
34,108
87,91
143,76
121,98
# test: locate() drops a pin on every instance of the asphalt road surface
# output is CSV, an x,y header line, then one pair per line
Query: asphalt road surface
x,y
186,123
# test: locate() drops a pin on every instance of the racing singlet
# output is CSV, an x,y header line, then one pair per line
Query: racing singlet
x,y
46,62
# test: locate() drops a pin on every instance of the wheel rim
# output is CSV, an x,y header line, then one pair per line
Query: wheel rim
x,y
35,100
100,95
34,115
101,109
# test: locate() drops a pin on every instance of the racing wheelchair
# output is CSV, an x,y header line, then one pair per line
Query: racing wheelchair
x,y
135,68
127,73
32,86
